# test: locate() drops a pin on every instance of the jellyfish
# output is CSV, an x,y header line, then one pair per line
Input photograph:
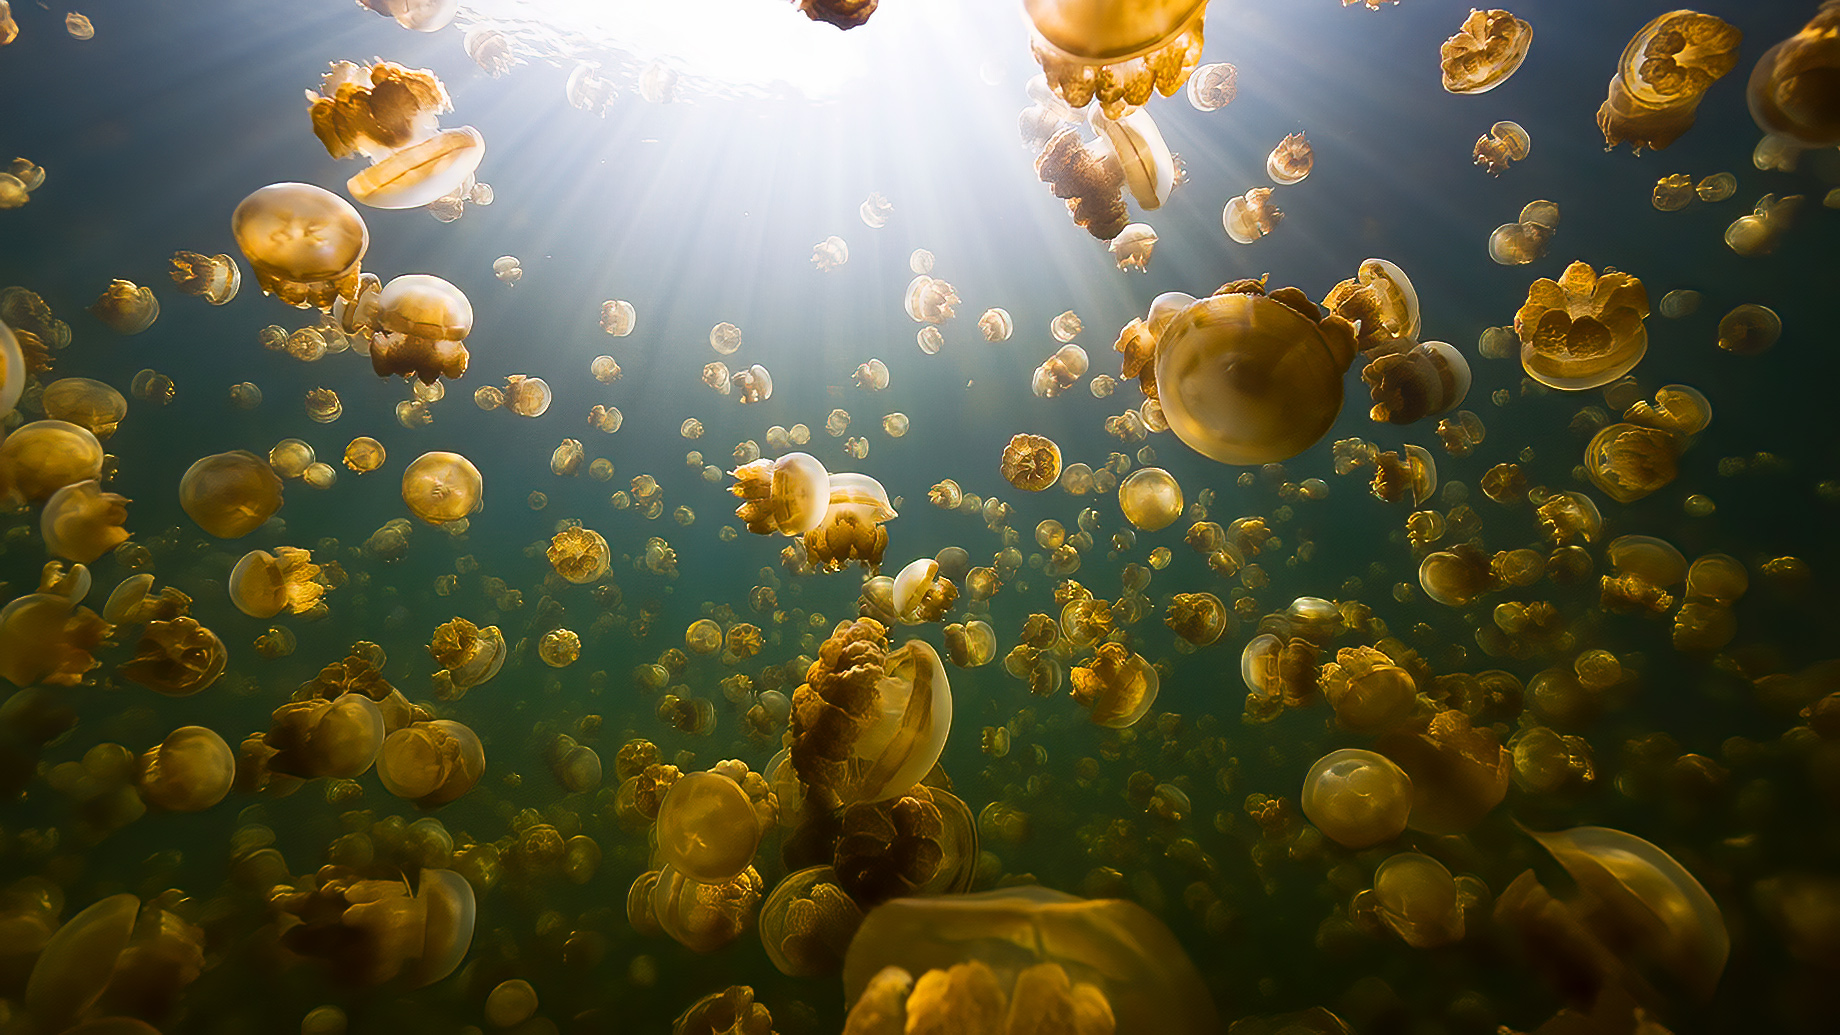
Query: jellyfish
x,y
996,325
1117,686
337,738
76,964
1357,798
868,722
1628,461
526,396
704,917
9,29
431,763
753,385
929,300
919,594
1459,771
1212,87
1504,144
1791,91
1367,691
789,495
39,458
1092,186
1289,161
1416,897
1060,371
1759,232
1583,330
176,657
1031,462
440,487
1133,246
1251,216
419,15
264,584
80,522
618,319
214,278
468,655
364,454
830,253
1381,298
1148,165
806,923
1119,57
303,243
1246,378
230,494
852,525
1748,329
559,648
423,324
1432,377
191,770
1518,243
1488,48
1663,73
1150,498
1199,618
126,307
707,828
47,638
388,113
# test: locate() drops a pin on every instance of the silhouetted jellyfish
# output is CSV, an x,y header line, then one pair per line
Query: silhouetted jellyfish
x,y
419,15
339,738
868,722
1761,231
1290,161
707,829
1504,144
1628,461
80,522
1117,686
303,243
852,526
1792,92
1518,243
705,917
439,487
807,922
1357,798
230,494
126,307
922,842
1459,771
1212,87
789,495
1432,377
1118,56
1251,216
388,113
214,278
1249,378
189,771
1583,330
370,932
1031,462
1749,330
431,763
1148,165
1092,187
579,554
1663,73
844,14
1150,498
177,657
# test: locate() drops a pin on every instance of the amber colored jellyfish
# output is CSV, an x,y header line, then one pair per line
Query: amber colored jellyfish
x,y
189,771
80,522
439,487
1247,378
388,113
424,321
1431,377
1518,243
1251,215
1092,186
1291,160
177,657
1117,687
1504,144
1794,91
126,307
1759,232
1116,52
869,722
214,278
1357,798
431,763
844,14
364,454
1031,462
789,495
1749,329
1584,330
304,243
707,828
579,554
230,494
1488,48
1149,166
1150,498
1661,77
84,402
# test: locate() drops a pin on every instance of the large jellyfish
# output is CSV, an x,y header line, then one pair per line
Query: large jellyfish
x,y
388,113
1584,329
304,243
1118,53
1663,73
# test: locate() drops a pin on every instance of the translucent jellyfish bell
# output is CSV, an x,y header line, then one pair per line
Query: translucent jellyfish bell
x,y
418,15
1663,72
80,522
1150,498
1749,329
1432,377
1290,161
1417,897
388,113
1149,166
1791,90
1759,232
191,770
1213,87
439,487
230,494
214,278
126,307
1119,54
1090,182
707,829
1584,330
1031,462
1488,48
304,243
1357,798
1504,144
1133,247
789,495
423,324
869,730
1251,216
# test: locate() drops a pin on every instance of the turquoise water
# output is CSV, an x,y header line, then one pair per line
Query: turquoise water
x,y
706,209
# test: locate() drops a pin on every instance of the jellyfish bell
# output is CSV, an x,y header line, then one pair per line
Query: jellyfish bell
x,y
214,278
1357,798
230,494
1488,48
303,243
1251,216
1431,378
1418,899
1117,54
1583,330
431,763
80,522
1791,92
788,495
39,458
126,307
422,324
191,770
1504,144
1133,247
707,828
1149,166
440,487
1661,77
1150,498
1290,160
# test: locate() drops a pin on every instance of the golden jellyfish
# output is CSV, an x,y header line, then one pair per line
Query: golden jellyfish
x,y
996,325
1150,498
930,300
9,29
524,395
1381,298
618,318
1678,409
364,454
1290,161
76,964
126,307
423,324
214,278
418,15
868,722
303,243
753,385
707,828
970,644
1488,48
1661,77
1432,377
1031,462
1628,461
1418,899
565,459
1504,144
291,457
789,495
431,763
852,526
323,405
47,638
439,487
1149,166
871,376
1749,329
1117,55
80,522
1060,371
468,655
1519,243
388,113
559,648
705,917
337,738
1357,798
1583,330
191,770
176,657
1199,618
1117,687
39,458
1249,378
919,594
1092,186
264,584
1133,246
230,494
1251,216
1212,87
1761,231
806,923
1791,92
579,554
725,338
1459,771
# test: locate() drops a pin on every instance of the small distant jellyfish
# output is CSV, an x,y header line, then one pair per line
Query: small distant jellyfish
x,y
1716,187
691,428
1673,193
895,425
856,447
996,325
605,369
871,376
920,262
930,339
930,300
1679,303
618,317
1504,144
1760,232
323,405
1291,160
875,211
559,648
1132,247
1514,244
507,269
1213,87
566,459
753,385
830,253
588,91
725,338
1031,462
1251,216
245,396
418,15
1487,49
658,83
525,396
1662,74
364,455
837,422
153,386
1749,329
78,26
214,278
715,375
1065,327
1060,371
606,418
126,307
490,49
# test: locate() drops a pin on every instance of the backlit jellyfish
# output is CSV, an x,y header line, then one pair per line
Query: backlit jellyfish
x,y
419,15
1116,687
1792,89
579,554
852,526
707,828
364,455
80,522
1504,144
1066,326
9,29
126,307
1381,298
844,14
1583,330
1133,247
618,317
191,770
1148,164
1248,378
1416,897
467,654
303,243
1060,371
789,495
996,325
917,595
214,278
1199,618
970,644
1357,798
1760,232
1641,898
871,376
868,722
1251,216
1663,73
1487,49
1212,87
930,339
1290,161
388,113
423,324
439,487
725,338
526,396
431,763
507,269
230,494
176,657
152,386
451,206
588,91
1150,498
930,300
323,405
830,253
1628,462
753,385
1749,329
875,211
263,584
1119,56
79,26
1518,243
1432,377
1031,462
658,83
1090,184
